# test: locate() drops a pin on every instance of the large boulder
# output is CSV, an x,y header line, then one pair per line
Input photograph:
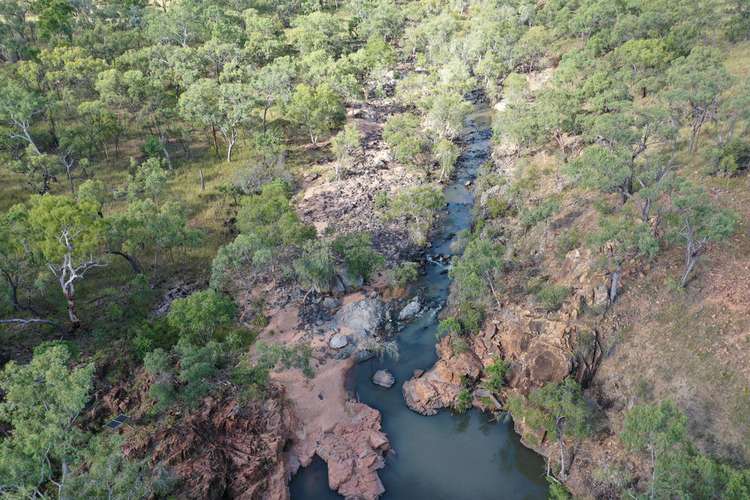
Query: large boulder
x,y
363,318
410,310
383,378
440,386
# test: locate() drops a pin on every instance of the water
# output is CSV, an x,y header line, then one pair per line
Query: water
x,y
444,456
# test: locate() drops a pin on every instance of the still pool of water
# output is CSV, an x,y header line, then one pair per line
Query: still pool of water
x,y
446,456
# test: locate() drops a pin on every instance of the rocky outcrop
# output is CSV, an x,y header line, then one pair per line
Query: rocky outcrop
x,y
225,449
536,347
439,387
354,452
362,318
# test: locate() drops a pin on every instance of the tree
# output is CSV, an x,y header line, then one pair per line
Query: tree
x,y
198,316
317,31
314,268
446,114
695,84
474,271
105,472
69,236
19,262
359,256
558,408
661,432
418,206
403,135
345,146
272,84
319,110
698,222
226,106
620,238
18,109
446,153
42,401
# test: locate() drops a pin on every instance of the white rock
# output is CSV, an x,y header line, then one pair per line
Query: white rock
x,y
410,310
338,341
383,378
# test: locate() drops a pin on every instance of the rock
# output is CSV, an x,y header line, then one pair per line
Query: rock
x,y
440,386
418,373
349,282
331,303
247,453
600,296
410,310
338,341
467,183
362,318
383,378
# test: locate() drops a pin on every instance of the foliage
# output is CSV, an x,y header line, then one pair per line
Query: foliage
x,y
359,256
42,402
404,273
105,472
404,136
463,401
318,110
552,296
546,405
475,271
272,355
345,146
198,316
418,205
494,374
315,267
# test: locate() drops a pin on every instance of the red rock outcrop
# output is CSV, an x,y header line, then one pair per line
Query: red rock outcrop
x,y
439,387
226,449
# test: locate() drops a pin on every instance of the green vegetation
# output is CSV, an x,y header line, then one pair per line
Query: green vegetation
x,y
659,432
148,148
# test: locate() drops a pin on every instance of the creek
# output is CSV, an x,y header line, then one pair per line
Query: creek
x,y
446,456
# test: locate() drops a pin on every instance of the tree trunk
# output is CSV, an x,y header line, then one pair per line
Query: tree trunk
x,y
135,266
75,321
216,143
203,180
614,286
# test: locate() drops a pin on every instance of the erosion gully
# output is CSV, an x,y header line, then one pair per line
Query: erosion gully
x,y
446,456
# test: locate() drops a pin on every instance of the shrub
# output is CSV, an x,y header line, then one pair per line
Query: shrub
x,y
449,326
463,401
418,205
530,217
404,136
567,241
358,254
314,268
198,364
404,273
495,374
198,316
551,297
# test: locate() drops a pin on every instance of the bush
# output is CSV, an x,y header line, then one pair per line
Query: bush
x,y
151,335
271,355
197,366
534,215
404,273
463,401
495,374
567,241
198,316
404,136
551,297
314,268
358,254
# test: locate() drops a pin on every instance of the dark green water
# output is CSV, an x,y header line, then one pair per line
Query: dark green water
x,y
445,456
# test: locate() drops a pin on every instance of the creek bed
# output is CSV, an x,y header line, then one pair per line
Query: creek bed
x,y
445,456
